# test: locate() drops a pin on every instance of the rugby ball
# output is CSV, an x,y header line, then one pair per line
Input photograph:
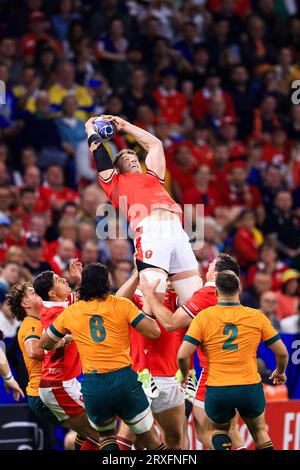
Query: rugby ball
x,y
106,129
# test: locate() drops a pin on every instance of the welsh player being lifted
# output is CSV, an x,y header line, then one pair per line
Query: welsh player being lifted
x,y
162,246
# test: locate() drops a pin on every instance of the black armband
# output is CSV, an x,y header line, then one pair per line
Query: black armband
x,y
94,138
102,159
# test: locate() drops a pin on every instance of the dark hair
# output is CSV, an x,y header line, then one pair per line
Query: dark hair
x,y
227,283
226,262
15,299
43,283
95,282
27,189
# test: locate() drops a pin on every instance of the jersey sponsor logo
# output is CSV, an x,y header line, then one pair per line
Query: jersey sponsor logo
x,y
148,254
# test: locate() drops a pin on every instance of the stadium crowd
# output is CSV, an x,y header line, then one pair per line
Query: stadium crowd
x,y
211,79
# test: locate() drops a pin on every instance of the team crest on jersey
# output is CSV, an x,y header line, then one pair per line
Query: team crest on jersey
x,y
148,254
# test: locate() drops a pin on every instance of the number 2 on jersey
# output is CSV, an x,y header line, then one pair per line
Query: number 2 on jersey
x,y
231,330
97,329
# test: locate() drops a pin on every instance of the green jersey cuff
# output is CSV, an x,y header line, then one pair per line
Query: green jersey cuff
x,y
137,320
192,340
31,337
272,340
55,332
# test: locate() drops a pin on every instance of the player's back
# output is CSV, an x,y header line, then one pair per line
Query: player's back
x,y
61,364
231,334
100,329
31,328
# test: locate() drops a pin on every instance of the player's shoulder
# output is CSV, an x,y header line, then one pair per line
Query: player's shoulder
x,y
250,310
119,301
30,324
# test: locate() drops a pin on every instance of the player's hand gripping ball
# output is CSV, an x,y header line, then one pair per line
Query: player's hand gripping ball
x,y
106,129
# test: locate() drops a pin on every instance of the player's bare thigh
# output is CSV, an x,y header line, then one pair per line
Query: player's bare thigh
x,y
171,423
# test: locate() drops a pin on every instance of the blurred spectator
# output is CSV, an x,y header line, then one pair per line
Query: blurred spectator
x,y
287,296
46,64
34,260
291,324
268,262
238,193
9,276
137,93
203,191
189,40
257,53
66,85
15,255
244,99
247,239
272,183
17,232
283,225
262,283
119,250
55,190
105,11
41,133
171,103
4,233
8,324
86,232
286,71
293,125
8,54
72,133
91,197
265,118
111,51
37,35
89,252
293,170
201,105
181,169
62,20
65,253
121,273
268,305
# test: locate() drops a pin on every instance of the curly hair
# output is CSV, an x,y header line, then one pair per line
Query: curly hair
x,y
15,299
95,282
43,283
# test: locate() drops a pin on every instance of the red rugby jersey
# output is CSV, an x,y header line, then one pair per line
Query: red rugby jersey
x,y
158,355
137,194
64,363
201,299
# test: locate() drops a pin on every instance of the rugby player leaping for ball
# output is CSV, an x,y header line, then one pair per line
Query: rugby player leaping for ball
x,y
162,246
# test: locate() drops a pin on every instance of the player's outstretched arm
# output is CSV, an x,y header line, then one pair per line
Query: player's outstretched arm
x,y
169,320
129,287
155,160
9,382
104,164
